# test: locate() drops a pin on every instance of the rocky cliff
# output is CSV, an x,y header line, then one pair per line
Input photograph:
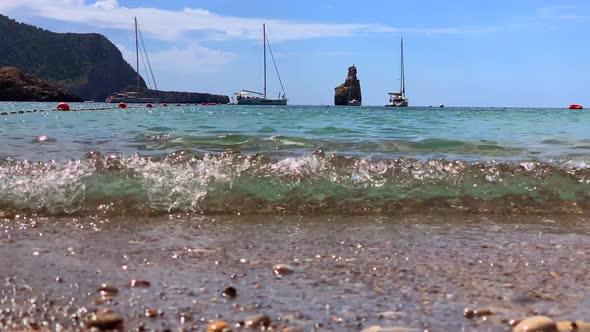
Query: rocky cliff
x,y
349,90
88,65
17,86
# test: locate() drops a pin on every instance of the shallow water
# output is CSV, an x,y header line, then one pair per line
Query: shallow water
x,y
417,271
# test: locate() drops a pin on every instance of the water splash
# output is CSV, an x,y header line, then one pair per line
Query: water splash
x,y
260,184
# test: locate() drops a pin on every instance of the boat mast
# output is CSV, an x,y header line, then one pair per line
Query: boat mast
x,y
264,44
403,75
137,54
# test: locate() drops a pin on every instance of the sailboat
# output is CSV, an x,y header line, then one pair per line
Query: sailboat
x,y
134,96
398,99
247,97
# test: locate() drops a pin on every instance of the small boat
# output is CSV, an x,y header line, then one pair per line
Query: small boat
x,y
576,107
441,106
133,97
247,97
398,99
354,102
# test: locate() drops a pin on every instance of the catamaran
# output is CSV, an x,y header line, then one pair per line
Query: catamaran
x,y
398,99
134,96
247,97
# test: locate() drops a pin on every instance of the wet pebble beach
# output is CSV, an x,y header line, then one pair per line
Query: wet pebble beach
x,y
421,272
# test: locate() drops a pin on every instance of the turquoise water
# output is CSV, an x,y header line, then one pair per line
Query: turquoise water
x,y
452,133
294,159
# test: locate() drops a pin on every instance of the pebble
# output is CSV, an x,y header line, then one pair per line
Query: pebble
x,y
469,313
104,320
139,283
257,321
536,324
483,312
108,290
219,326
577,326
282,269
230,292
151,313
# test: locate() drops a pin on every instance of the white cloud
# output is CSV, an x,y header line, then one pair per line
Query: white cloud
x,y
172,25
561,12
193,58
106,4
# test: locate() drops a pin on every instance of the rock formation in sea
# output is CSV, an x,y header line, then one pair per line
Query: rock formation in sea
x,y
18,86
88,65
349,90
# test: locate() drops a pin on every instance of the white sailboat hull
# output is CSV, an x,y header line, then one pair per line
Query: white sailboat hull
x,y
404,103
261,102
248,97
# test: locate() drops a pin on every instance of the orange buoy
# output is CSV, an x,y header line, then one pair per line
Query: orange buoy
x,y
122,105
576,107
63,107
148,105
164,105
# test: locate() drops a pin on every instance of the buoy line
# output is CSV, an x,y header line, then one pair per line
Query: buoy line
x,y
59,110
64,107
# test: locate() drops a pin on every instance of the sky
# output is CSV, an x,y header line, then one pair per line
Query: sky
x,y
522,53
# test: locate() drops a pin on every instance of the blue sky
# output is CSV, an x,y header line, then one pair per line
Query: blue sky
x,y
458,52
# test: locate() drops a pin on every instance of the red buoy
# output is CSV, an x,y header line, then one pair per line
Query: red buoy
x,y
148,105
122,105
63,107
576,107
164,105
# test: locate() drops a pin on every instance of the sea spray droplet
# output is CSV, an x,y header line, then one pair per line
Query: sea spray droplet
x,y
44,139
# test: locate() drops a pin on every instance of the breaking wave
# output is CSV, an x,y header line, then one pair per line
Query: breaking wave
x,y
231,183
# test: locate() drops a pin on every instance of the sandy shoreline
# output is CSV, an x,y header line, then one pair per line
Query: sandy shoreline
x,y
350,273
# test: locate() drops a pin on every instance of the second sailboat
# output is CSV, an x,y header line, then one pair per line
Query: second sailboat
x,y
247,97
398,99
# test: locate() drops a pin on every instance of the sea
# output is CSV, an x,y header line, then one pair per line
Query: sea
x,y
293,159
403,219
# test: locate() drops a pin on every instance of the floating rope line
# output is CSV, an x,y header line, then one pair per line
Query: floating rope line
x,y
72,110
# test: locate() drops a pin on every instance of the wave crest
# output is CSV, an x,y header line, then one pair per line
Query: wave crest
x,y
259,184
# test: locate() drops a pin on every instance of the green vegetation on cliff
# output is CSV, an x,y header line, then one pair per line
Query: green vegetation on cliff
x,y
17,86
88,65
